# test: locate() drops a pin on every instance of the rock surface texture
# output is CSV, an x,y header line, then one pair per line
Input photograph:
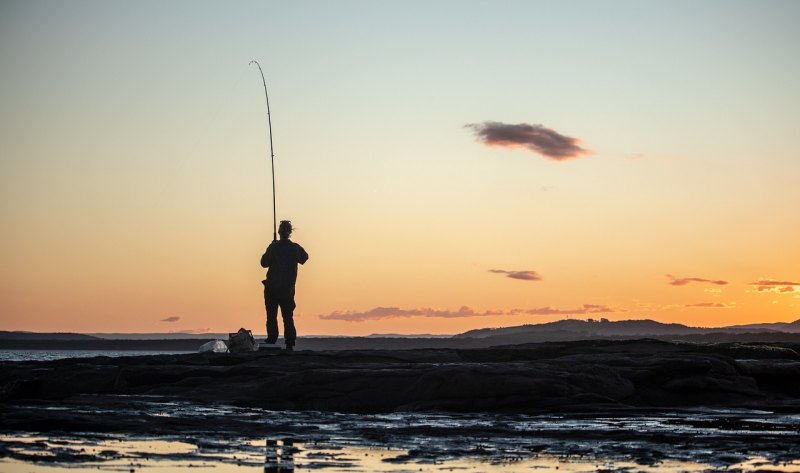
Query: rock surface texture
x,y
558,376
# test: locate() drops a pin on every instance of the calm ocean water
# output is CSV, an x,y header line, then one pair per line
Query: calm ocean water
x,y
46,355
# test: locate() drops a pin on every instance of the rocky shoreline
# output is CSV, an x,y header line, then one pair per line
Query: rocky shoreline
x,y
542,377
708,407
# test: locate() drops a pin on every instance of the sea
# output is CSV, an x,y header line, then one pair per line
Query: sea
x,y
48,355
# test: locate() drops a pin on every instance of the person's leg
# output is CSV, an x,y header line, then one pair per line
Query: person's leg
x,y
271,303
287,313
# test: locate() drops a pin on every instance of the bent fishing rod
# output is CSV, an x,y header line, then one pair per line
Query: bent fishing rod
x,y
272,154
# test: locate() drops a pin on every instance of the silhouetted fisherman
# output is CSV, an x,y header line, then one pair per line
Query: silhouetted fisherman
x,y
282,257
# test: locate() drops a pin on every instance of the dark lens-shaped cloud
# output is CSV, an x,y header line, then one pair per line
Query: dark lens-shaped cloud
x,y
684,281
521,275
174,318
544,141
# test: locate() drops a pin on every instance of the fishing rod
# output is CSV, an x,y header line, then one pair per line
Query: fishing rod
x,y
272,154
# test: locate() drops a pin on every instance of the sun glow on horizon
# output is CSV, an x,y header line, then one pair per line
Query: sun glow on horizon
x,y
439,180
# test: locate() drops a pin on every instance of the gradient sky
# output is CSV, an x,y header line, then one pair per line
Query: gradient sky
x,y
135,187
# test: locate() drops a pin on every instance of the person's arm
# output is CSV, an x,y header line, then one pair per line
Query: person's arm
x,y
302,256
266,258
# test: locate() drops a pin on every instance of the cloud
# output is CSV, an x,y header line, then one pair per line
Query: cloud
x,y
770,282
379,313
780,287
394,312
174,318
536,138
710,305
585,309
194,331
684,281
522,275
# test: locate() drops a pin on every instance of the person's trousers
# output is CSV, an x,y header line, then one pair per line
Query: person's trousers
x,y
285,300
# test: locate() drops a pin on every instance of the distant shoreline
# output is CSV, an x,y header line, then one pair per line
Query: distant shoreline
x,y
373,343
561,331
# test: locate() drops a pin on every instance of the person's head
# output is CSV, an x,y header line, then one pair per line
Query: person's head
x,y
285,229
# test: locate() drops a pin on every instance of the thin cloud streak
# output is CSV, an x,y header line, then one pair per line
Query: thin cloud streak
x,y
174,318
194,331
779,287
710,305
684,281
586,309
379,313
544,141
521,275
770,282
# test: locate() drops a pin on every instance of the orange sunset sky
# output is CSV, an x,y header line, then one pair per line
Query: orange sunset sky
x,y
448,165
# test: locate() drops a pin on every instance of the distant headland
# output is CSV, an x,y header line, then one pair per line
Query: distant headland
x,y
563,330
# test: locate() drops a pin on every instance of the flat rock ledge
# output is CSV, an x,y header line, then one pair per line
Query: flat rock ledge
x,y
557,376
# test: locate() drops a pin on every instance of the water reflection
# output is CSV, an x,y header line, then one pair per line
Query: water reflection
x,y
55,454
741,440
280,456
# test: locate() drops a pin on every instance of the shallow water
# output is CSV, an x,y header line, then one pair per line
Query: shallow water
x,y
48,355
66,454
228,438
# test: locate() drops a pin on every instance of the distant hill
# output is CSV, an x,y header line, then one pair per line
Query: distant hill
x,y
400,335
789,327
44,336
602,328
560,331
577,329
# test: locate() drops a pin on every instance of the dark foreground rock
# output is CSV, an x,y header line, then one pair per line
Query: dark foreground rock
x,y
525,378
